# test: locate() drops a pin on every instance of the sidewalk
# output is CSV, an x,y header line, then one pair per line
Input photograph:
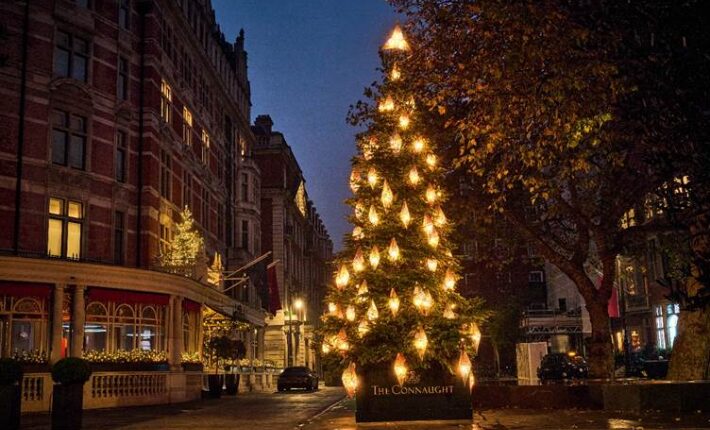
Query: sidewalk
x,y
341,416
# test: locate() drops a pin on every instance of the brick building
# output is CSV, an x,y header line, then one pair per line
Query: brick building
x,y
115,115
302,249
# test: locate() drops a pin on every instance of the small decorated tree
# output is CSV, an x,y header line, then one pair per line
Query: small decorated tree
x,y
186,251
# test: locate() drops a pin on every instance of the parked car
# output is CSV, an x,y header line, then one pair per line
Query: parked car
x,y
297,377
562,366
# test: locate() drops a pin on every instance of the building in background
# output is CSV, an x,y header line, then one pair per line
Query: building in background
x,y
301,246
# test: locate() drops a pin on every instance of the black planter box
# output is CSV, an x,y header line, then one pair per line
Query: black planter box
x,y
231,384
129,367
193,367
428,394
214,382
67,404
36,368
10,406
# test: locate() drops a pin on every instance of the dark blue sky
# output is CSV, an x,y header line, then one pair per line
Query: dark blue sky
x,y
308,61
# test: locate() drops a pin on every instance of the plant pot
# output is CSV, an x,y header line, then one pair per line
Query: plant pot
x,y
67,406
10,406
35,368
193,367
231,383
214,382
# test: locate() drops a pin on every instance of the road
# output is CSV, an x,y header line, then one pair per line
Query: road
x,y
260,411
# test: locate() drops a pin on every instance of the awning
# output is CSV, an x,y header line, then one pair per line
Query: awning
x,y
190,306
124,296
25,289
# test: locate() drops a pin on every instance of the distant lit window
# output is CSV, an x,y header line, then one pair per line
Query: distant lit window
x,y
166,101
71,56
187,126
672,313
205,147
660,331
629,219
64,228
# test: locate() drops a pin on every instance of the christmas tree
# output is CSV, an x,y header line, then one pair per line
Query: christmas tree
x,y
185,252
394,301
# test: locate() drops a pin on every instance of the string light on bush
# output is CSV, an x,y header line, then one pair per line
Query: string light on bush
x,y
393,302
332,308
418,145
404,121
358,233
422,300
342,343
400,368
404,215
362,288
395,74
325,348
427,225
350,313
433,239
374,257
343,277
430,195
358,261
393,250
386,105
372,312
373,216
432,264
431,161
420,342
350,380
363,328
413,176
449,312
440,217
396,41
396,143
387,196
449,280
372,177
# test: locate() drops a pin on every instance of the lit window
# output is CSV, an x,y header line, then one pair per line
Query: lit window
x,y
71,56
166,100
68,139
629,219
205,147
187,127
64,228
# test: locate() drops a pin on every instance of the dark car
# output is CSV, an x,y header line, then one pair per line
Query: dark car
x,y
297,377
562,366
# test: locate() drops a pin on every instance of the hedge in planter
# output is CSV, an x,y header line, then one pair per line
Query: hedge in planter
x,y
10,393
70,374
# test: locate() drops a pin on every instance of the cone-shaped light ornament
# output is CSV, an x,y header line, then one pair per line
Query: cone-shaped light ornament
x,y
396,143
359,211
372,177
418,145
358,233
354,180
433,239
363,328
387,197
342,342
449,313
430,194
404,215
373,216
358,261
427,225
395,74
362,289
475,334
372,312
432,264
350,381
413,176
393,302
400,368
449,280
396,42
386,105
350,313
464,365
440,217
393,250
374,257
420,342
404,121
431,161
332,308
325,348
343,277
422,300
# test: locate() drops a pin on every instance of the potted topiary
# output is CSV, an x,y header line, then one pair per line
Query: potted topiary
x,y
69,374
217,348
236,352
10,392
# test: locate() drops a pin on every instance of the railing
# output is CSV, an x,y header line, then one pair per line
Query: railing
x,y
106,389
36,392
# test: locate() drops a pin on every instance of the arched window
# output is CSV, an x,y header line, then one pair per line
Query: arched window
x,y
149,336
96,327
124,328
27,326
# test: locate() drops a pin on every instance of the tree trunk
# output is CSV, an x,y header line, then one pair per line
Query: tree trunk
x,y
599,346
691,350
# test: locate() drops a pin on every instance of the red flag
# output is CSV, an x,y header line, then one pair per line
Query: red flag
x,y
613,305
272,280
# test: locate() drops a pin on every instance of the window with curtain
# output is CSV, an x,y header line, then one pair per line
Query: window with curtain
x,y
64,228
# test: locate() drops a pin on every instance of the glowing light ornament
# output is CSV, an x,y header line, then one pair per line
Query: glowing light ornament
x,y
475,334
342,343
449,280
332,308
363,328
350,313
386,105
358,261
400,368
395,74
358,234
372,177
464,365
433,239
427,225
418,145
423,300
362,289
404,215
373,216
396,42
430,194
343,277
420,342
354,181
432,264
440,217
359,211
369,148
325,348
393,302
396,143
413,176
372,312
449,312
387,197
431,161
350,381
393,250
374,257
404,121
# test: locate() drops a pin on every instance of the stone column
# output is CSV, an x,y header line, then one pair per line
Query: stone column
x,y
175,341
55,339
78,318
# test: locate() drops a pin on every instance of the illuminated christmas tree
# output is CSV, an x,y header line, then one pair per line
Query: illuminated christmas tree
x,y
186,251
394,302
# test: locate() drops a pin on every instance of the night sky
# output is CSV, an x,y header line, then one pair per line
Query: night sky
x,y
308,61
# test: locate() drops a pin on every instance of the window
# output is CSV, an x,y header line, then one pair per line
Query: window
x,y
122,83
245,235
165,166
205,209
118,234
166,101
245,187
205,147
672,311
187,189
64,228
629,219
536,276
27,323
71,56
82,3
187,127
165,237
562,305
220,220
68,139
124,14
121,156
660,331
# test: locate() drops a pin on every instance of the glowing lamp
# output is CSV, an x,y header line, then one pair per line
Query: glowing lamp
x,y
396,41
358,233
354,181
420,342
432,264
374,257
440,217
404,121
413,176
395,74
431,161
464,365
396,143
386,105
358,261
373,216
427,225
433,239
372,312
372,177
418,145
349,379
393,250
393,302
400,368
350,313
430,194
404,215
387,196
363,328
449,280
343,277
